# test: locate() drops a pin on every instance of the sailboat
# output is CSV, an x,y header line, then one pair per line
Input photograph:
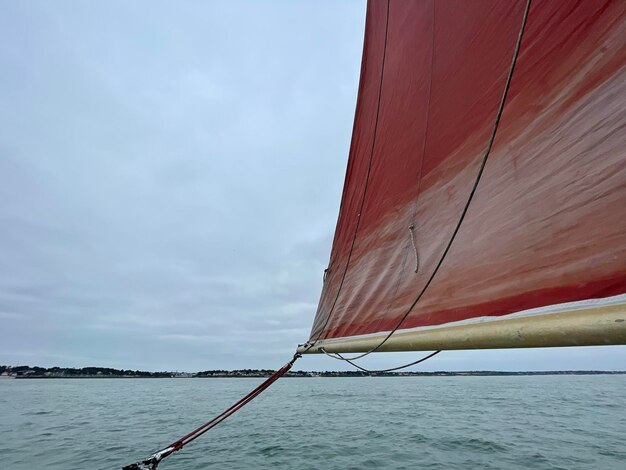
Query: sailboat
x,y
484,203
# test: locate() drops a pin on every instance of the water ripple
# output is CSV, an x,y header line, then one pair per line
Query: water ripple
x,y
435,423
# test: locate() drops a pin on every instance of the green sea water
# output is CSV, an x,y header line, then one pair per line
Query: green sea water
x,y
540,422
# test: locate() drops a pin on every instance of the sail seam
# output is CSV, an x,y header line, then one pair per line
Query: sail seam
x,y
369,167
426,128
412,225
358,106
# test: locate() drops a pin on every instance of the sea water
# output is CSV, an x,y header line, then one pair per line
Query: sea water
x,y
521,422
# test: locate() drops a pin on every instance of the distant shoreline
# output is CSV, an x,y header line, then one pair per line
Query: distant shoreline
x,y
27,372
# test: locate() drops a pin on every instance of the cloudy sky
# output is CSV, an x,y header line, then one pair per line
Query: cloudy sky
x,y
170,176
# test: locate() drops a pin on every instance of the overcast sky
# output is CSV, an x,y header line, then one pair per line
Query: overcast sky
x,y
170,176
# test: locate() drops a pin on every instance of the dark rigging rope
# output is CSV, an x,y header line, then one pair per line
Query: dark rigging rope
x,y
153,461
341,358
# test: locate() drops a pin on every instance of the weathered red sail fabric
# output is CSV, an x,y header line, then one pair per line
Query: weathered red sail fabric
x,y
548,222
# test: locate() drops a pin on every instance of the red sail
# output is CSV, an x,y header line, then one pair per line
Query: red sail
x,y
547,224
